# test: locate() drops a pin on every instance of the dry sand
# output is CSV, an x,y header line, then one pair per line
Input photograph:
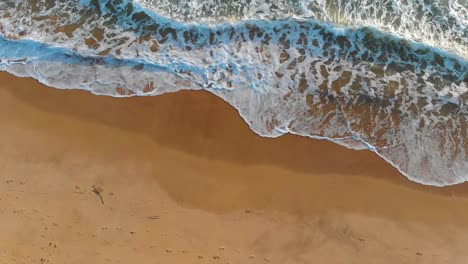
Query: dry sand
x,y
184,180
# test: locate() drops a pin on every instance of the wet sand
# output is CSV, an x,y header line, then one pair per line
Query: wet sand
x,y
184,180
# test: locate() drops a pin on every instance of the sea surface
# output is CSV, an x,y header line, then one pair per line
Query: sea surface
x,y
390,76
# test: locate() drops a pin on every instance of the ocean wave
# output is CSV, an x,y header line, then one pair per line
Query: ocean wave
x,y
356,86
435,22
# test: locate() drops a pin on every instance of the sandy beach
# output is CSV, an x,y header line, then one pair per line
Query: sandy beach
x,y
184,180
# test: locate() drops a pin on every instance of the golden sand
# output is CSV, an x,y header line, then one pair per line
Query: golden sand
x,y
184,180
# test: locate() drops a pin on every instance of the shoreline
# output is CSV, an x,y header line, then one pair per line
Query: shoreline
x,y
189,159
216,101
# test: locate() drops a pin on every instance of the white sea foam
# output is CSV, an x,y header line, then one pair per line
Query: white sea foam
x,y
438,23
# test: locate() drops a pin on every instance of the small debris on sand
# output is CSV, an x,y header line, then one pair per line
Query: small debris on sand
x,y
98,190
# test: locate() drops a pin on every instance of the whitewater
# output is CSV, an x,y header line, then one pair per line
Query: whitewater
x,y
390,76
